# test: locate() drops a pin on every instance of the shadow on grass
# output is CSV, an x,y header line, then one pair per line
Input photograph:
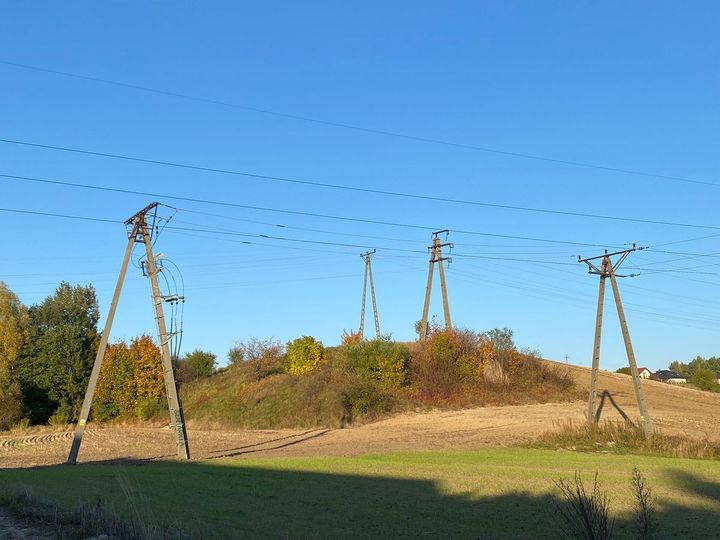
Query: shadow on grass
x,y
236,499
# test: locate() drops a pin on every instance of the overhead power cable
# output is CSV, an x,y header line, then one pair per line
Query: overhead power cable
x,y
364,129
204,168
66,216
295,212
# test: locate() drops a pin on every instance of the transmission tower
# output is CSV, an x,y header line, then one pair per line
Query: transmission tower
x,y
367,256
607,269
139,231
436,256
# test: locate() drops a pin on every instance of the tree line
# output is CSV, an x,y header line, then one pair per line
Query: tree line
x,y
47,352
701,372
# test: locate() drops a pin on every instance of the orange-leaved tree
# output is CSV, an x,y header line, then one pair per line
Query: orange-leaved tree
x,y
130,376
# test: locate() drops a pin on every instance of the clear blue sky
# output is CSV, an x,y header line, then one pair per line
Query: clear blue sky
x,y
626,86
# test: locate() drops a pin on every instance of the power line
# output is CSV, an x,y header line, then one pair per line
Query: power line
x,y
203,168
364,129
66,216
269,237
325,243
293,212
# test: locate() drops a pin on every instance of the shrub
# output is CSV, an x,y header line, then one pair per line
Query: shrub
x,y
60,417
363,398
303,355
350,337
624,371
151,409
501,339
258,357
448,360
380,360
196,365
104,411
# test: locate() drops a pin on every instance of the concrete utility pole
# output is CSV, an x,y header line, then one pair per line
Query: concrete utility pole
x,y
436,256
139,231
367,256
607,269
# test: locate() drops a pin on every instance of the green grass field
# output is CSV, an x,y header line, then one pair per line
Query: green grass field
x,y
498,493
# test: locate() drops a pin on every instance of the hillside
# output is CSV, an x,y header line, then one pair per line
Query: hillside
x,y
675,410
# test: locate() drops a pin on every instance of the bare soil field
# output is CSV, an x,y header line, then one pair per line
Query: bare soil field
x,y
674,410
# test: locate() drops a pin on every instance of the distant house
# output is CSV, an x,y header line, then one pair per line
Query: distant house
x,y
670,376
717,376
644,373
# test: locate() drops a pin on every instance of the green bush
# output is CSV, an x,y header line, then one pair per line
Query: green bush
x,y
104,411
365,398
151,409
61,417
380,360
303,355
196,365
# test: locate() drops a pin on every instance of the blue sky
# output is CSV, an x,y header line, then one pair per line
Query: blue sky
x,y
617,85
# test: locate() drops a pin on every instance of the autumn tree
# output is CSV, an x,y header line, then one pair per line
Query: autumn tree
x,y
304,354
14,328
130,378
261,357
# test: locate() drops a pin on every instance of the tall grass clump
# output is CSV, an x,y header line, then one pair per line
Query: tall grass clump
x,y
585,514
645,522
91,518
624,438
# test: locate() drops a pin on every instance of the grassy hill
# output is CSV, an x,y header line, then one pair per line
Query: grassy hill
x,y
363,381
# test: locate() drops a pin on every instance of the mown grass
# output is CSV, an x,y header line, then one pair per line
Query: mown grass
x,y
498,493
624,438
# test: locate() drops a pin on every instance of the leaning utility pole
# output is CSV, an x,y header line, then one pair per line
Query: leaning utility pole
x,y
607,269
367,256
436,256
138,231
